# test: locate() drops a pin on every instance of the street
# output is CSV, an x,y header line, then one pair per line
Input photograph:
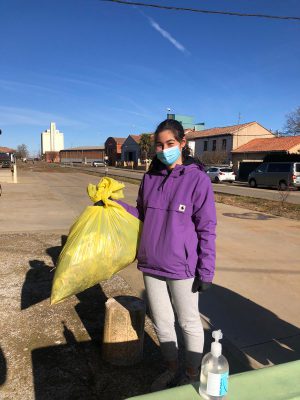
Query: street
x,y
237,188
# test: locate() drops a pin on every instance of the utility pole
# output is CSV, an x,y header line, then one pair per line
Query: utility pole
x,y
106,159
237,135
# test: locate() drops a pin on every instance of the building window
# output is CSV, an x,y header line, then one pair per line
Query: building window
x,y
224,144
214,146
205,145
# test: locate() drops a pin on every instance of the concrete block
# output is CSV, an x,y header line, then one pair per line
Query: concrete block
x,y
124,330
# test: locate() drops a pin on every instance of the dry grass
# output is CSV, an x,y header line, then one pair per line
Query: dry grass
x,y
40,166
278,208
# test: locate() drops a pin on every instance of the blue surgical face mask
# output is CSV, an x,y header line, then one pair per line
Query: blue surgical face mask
x,y
169,156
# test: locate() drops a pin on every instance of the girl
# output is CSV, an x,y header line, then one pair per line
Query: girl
x,y
177,248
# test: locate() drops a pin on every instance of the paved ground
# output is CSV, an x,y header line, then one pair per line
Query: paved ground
x,y
54,352
5,175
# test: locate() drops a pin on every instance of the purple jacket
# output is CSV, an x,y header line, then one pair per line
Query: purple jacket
x,y
179,215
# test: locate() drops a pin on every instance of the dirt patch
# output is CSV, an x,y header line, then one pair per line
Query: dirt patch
x,y
55,352
41,166
271,207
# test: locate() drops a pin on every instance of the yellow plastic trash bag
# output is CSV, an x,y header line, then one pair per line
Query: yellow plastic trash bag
x,y
102,241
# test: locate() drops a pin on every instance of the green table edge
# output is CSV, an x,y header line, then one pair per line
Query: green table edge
x,y
279,382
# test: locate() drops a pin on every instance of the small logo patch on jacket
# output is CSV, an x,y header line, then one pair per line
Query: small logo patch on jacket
x,y
181,208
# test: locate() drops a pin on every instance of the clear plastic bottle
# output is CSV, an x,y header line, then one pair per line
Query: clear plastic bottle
x,y
214,372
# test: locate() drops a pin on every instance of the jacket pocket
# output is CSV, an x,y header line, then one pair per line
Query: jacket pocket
x,y
187,265
186,251
179,212
163,238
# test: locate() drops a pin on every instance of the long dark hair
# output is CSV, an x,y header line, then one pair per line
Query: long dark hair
x,y
177,129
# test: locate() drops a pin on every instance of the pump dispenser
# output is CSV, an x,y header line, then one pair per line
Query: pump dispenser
x,y
214,371
216,347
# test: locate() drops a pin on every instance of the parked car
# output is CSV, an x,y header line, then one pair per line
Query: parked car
x,y
5,164
98,163
221,174
5,161
276,174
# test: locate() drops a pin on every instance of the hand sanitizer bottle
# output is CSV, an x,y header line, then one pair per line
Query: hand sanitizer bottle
x,y
214,371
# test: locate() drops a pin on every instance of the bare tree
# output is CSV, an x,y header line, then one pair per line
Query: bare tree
x,y
22,151
284,193
214,157
37,154
292,125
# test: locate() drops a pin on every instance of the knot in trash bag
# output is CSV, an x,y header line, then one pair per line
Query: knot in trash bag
x,y
105,190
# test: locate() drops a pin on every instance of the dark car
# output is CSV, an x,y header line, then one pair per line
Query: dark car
x,y
5,160
5,164
276,174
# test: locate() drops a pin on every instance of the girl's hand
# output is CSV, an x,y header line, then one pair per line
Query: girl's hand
x,y
199,286
100,202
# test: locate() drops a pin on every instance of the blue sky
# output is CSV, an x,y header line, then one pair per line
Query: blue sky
x,y
101,69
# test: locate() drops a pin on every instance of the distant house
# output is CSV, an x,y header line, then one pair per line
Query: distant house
x,y
255,150
83,154
131,149
113,149
225,139
7,153
7,150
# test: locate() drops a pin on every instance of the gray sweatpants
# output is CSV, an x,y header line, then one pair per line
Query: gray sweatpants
x,y
162,293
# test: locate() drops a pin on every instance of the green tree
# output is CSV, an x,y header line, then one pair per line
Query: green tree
x,y
146,145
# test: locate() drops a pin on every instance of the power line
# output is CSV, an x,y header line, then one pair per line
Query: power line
x,y
262,136
224,134
196,10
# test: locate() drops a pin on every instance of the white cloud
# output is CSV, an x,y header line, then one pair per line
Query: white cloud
x,y
167,35
23,86
26,116
138,114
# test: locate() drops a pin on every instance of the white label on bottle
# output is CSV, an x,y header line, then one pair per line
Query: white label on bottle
x,y
217,384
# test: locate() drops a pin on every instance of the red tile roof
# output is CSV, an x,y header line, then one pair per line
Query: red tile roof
x,y
136,138
81,148
189,130
7,150
223,130
119,140
269,144
148,133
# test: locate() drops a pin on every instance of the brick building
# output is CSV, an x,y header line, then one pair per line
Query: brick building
x,y
131,149
113,149
84,154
